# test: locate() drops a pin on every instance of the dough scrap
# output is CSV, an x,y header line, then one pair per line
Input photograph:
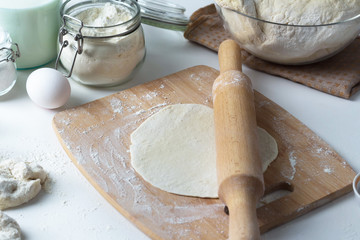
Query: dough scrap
x,y
9,228
174,150
19,182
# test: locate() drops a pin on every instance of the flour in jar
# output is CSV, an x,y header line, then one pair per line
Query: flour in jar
x,y
107,59
107,15
286,44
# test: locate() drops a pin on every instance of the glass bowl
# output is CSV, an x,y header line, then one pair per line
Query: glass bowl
x,y
356,188
285,43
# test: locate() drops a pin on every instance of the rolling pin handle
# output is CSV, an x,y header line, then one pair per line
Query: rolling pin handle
x,y
239,170
230,56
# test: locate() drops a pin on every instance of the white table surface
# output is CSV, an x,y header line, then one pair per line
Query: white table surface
x,y
73,209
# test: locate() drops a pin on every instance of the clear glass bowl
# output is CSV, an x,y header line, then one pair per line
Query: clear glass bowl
x,y
285,43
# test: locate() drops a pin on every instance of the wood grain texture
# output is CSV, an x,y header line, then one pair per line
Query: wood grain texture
x,y
238,163
96,136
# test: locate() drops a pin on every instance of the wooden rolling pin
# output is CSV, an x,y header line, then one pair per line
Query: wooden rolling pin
x,y
239,168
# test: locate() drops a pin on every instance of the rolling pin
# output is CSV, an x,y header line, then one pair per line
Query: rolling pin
x,y
239,168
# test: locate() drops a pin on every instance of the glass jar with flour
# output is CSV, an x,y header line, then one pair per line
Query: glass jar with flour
x,y
101,42
8,53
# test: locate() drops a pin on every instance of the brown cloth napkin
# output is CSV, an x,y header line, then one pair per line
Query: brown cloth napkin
x,y
338,75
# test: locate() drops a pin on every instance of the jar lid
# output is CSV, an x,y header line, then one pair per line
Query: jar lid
x,y
4,38
7,52
4,45
163,14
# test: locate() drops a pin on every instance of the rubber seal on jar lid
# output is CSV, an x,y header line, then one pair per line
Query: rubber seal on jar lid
x,y
163,14
4,36
9,51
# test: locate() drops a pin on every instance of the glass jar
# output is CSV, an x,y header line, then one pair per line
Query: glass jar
x,y
101,54
163,14
34,26
7,62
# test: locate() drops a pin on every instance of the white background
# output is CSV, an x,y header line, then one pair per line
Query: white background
x,y
73,209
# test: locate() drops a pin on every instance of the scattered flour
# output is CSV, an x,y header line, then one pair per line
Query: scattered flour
x,y
141,111
293,161
116,105
61,173
328,170
158,106
150,95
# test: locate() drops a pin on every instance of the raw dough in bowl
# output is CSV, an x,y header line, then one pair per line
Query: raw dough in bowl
x,y
285,43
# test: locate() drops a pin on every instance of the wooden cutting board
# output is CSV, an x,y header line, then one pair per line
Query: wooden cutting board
x,y
96,136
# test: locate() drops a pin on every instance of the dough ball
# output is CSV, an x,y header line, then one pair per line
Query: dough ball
x,y
174,150
19,182
9,228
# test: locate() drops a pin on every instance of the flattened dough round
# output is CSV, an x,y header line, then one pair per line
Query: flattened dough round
x,y
174,150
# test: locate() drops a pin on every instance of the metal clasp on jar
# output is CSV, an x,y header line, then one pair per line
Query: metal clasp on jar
x,y
77,37
12,55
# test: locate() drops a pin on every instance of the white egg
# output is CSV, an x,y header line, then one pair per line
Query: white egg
x,y
48,88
